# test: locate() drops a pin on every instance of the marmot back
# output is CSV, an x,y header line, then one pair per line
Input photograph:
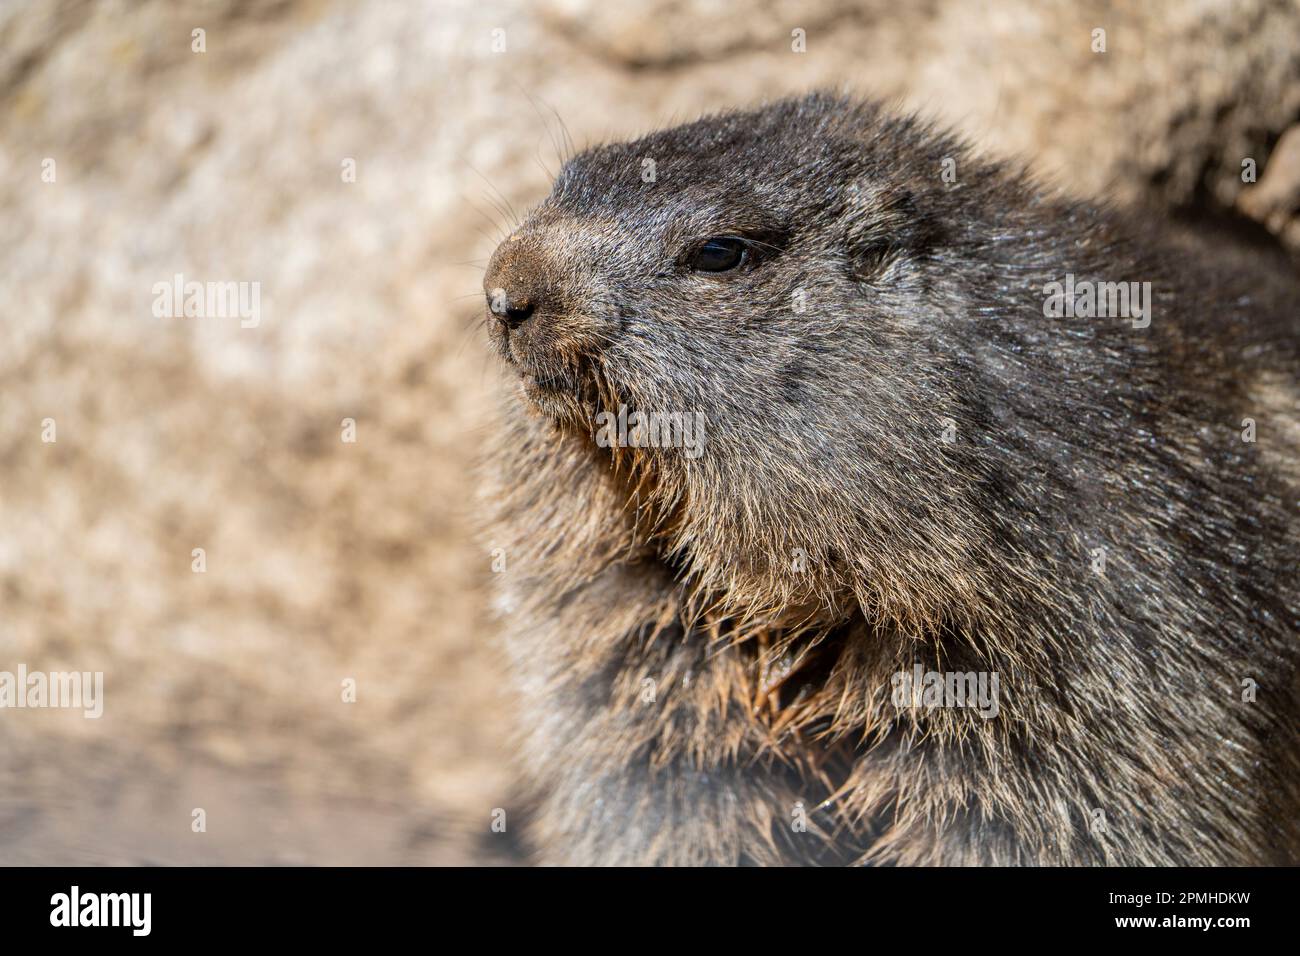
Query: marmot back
x,y
864,501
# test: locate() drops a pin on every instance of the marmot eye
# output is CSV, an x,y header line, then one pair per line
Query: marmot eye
x,y
719,255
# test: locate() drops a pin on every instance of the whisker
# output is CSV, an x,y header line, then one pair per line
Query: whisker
x,y
492,222
468,334
757,242
509,210
563,147
537,157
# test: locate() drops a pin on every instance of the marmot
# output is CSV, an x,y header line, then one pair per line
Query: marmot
x,y
984,551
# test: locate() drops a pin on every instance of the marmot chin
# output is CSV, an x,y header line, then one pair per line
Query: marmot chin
x,y
984,550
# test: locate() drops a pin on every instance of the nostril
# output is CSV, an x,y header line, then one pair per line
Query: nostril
x,y
517,314
512,310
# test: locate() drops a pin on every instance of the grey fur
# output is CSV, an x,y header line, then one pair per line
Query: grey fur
x,y
1122,735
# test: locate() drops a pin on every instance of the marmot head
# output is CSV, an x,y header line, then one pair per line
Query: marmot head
x,y
784,278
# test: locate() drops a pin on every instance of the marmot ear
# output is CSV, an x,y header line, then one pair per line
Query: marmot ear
x,y
882,222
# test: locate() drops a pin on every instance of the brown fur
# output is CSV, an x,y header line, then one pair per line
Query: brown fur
x,y
1122,691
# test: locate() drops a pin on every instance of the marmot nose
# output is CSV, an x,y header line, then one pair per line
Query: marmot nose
x,y
512,310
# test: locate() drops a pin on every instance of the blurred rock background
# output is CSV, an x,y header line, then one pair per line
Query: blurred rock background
x,y
329,560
